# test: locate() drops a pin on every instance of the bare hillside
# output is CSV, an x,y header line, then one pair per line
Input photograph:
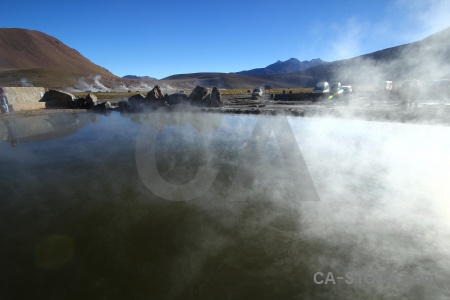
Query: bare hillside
x,y
23,49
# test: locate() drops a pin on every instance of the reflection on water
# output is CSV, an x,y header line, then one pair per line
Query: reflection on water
x,y
78,220
42,127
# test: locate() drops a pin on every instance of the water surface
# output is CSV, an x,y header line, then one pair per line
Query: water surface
x,y
282,204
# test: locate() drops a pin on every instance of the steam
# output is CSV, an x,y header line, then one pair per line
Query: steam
x,y
383,206
419,20
351,37
98,83
425,60
143,87
24,82
430,16
92,84
168,89
122,87
140,87
380,186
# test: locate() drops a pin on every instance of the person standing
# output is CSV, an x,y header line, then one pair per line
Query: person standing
x,y
3,101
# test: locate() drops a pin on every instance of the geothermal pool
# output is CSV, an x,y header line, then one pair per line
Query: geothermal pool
x,y
209,206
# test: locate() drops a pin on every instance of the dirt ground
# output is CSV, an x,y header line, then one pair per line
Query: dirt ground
x,y
358,106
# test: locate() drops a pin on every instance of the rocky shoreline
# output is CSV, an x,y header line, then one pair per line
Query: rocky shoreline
x,y
358,108
421,115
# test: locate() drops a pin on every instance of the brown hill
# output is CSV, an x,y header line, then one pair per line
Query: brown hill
x,y
30,57
29,49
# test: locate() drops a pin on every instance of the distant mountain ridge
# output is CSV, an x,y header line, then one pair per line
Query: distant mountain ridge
x,y
143,78
237,81
292,65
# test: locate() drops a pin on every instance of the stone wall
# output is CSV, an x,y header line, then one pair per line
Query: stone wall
x,y
27,106
25,98
22,95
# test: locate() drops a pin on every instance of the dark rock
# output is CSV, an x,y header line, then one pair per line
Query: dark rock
x,y
199,97
125,106
155,94
58,99
91,100
80,103
215,98
136,102
103,106
155,98
206,102
177,99
136,99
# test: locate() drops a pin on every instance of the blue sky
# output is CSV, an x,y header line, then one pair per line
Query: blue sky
x,y
162,38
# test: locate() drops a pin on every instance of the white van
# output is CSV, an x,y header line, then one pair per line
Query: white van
x,y
322,87
384,86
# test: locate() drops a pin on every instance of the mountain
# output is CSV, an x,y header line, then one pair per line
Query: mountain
x,y
291,65
237,81
143,78
282,74
428,59
29,49
42,59
31,57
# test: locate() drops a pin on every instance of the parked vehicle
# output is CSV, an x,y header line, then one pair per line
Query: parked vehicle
x,y
347,89
335,87
258,92
322,87
384,86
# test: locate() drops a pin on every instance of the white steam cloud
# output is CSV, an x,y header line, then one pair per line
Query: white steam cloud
x,y
429,16
351,36
24,82
418,20
92,84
